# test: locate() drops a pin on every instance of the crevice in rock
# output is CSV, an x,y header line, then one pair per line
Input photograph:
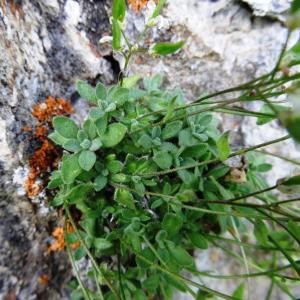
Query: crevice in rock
x,y
251,10
115,65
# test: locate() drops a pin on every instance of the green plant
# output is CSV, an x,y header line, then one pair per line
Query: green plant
x,y
150,176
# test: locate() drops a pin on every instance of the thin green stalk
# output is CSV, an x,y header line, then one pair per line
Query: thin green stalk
x,y
98,285
278,282
221,213
277,221
276,68
243,98
164,264
243,254
286,254
120,277
213,161
85,292
274,263
292,161
90,254
271,105
154,251
184,280
192,104
247,245
162,122
243,112
225,202
72,260
271,272
271,188
126,40
270,290
283,202
127,59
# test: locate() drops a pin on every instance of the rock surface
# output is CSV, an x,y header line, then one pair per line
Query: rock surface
x,y
46,45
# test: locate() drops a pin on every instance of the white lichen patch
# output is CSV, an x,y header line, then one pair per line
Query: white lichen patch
x,y
72,12
5,153
19,178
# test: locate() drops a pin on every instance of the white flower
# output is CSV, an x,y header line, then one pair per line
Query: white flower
x,y
148,12
163,23
159,21
106,39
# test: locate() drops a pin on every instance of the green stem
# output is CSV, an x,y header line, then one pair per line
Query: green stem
x,y
272,272
213,161
184,280
204,210
244,112
126,40
89,253
271,188
120,276
247,245
164,264
288,257
238,238
276,280
279,156
270,291
77,275
282,202
243,98
276,68
277,221
98,285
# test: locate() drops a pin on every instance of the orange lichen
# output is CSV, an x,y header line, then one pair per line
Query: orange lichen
x,y
59,243
44,112
47,156
137,5
70,229
43,279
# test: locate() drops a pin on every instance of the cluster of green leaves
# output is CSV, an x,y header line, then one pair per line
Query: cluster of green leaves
x,y
139,171
152,180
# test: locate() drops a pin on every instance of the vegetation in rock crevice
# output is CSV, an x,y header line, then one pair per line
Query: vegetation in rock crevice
x,y
150,180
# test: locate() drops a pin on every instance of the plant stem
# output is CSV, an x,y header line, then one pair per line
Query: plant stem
x,y
292,161
77,275
214,161
281,55
185,280
247,245
288,257
162,261
243,254
277,221
243,98
272,272
89,253
120,276
204,201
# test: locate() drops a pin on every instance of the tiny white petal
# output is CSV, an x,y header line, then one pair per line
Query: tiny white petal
x,y
163,23
149,10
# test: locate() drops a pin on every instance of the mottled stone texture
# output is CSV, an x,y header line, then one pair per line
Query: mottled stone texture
x,y
46,45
